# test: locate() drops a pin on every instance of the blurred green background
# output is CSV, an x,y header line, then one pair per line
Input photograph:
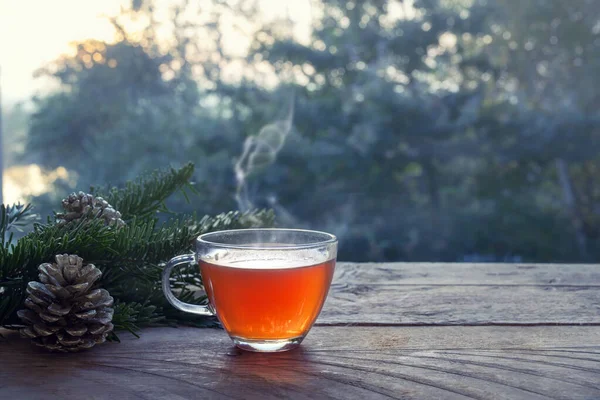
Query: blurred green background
x,y
415,130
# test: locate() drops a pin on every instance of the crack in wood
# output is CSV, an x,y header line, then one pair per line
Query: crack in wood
x,y
447,371
561,365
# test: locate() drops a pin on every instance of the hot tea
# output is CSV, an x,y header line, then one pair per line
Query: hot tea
x,y
262,300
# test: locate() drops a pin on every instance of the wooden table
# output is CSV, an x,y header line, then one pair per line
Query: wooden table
x,y
399,331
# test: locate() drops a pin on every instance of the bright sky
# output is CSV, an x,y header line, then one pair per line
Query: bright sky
x,y
34,32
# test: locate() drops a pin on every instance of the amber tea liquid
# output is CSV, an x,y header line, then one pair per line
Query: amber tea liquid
x,y
264,300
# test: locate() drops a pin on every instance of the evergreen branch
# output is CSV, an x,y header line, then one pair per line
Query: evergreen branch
x,y
131,258
129,317
133,273
143,242
16,216
146,195
18,264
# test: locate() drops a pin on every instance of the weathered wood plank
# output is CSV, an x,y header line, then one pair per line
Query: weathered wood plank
x,y
463,294
451,305
427,274
334,362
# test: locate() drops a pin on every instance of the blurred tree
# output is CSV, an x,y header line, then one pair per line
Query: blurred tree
x,y
127,107
422,130
15,120
388,110
546,148
102,87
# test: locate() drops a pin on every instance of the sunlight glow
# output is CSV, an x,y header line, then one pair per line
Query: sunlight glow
x,y
29,180
33,33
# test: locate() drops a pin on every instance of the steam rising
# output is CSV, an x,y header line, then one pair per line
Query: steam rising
x,y
259,152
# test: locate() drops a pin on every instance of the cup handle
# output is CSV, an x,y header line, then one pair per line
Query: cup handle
x,y
166,287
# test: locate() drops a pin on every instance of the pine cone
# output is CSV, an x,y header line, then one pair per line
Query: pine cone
x,y
82,205
63,312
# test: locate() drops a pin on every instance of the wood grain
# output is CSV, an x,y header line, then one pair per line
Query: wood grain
x,y
458,274
463,294
369,344
334,362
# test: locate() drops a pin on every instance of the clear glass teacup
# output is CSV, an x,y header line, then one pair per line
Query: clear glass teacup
x,y
266,286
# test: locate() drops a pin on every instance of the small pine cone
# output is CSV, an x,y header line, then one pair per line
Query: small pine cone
x,y
84,205
63,312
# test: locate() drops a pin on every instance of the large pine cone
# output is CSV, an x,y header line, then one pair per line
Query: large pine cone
x,y
84,205
63,312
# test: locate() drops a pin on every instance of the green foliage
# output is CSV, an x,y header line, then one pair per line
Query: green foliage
x,y
130,316
130,258
15,217
423,130
147,194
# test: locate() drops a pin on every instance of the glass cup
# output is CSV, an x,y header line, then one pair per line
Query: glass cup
x,y
266,286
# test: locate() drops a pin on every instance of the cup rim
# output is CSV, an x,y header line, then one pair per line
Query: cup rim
x,y
205,239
